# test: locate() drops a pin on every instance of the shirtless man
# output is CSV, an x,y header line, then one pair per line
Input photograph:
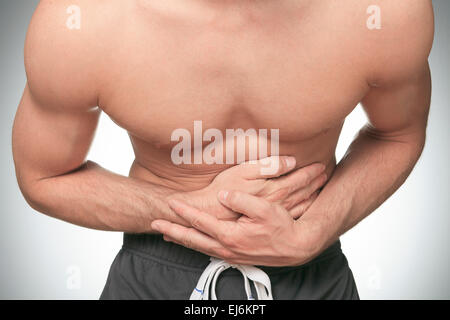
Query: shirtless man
x,y
154,66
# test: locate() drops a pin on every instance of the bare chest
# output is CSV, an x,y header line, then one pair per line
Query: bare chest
x,y
254,76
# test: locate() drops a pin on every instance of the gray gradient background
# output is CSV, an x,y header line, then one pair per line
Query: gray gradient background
x,y
399,252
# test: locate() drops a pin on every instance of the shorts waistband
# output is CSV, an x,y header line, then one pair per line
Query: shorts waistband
x,y
154,246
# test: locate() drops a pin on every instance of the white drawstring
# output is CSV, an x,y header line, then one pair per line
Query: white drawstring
x,y
212,272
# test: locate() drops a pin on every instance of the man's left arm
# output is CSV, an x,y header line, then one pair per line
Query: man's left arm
x,y
379,159
386,149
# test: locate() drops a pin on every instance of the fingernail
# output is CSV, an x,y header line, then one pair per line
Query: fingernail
x,y
223,195
290,162
155,226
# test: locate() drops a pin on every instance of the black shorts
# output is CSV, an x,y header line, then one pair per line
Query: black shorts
x,y
147,267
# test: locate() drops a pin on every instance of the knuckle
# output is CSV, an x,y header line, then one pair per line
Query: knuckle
x,y
301,196
226,240
225,254
187,239
279,195
282,164
233,197
292,187
283,193
309,191
307,178
229,242
195,222
221,236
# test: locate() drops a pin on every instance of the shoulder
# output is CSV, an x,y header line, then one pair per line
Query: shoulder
x,y
63,52
400,47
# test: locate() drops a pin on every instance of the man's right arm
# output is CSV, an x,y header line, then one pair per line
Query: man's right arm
x,y
50,146
54,128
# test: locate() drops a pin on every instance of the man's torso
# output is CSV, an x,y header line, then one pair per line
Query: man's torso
x,y
299,67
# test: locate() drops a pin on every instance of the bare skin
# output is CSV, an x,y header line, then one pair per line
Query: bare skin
x,y
153,67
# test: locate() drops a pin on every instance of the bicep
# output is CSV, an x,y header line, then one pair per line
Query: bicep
x,y
57,116
399,98
400,107
50,141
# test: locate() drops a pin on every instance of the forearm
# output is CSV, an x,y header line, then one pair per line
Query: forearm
x,y
96,198
373,168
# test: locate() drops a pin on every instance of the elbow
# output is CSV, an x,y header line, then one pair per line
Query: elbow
x,y
417,144
32,193
413,147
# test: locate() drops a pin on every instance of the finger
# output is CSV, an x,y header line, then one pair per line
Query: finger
x,y
219,252
301,208
269,167
303,194
200,220
250,206
191,238
175,218
168,239
299,178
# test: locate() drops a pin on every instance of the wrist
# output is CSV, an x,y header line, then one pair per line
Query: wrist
x,y
184,196
311,239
